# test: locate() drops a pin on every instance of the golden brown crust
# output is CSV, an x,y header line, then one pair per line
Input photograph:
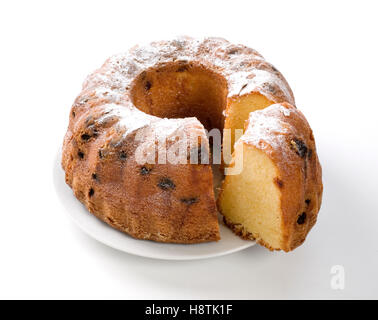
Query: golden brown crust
x,y
282,132
301,175
155,202
167,203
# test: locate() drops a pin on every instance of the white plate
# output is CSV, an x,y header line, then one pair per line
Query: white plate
x,y
102,232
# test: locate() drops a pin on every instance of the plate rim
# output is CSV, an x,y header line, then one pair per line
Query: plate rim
x,y
84,227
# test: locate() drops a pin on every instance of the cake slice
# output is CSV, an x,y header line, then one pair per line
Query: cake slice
x,y
276,198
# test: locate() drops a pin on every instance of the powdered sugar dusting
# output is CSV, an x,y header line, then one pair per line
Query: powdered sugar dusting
x,y
244,69
268,129
285,110
130,118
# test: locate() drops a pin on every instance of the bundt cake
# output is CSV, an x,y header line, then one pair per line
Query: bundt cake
x,y
278,195
139,104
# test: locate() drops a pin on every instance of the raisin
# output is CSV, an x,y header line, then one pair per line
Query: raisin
x,y
80,154
144,171
148,85
182,68
91,192
307,201
166,184
94,176
73,114
279,182
123,155
302,218
189,201
85,137
101,154
299,147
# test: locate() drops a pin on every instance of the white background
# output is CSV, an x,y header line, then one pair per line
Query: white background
x,y
327,51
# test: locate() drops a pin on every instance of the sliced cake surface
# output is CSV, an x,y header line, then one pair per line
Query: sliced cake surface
x,y
277,196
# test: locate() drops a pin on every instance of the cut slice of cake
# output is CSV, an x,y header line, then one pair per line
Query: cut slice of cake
x,y
277,196
238,110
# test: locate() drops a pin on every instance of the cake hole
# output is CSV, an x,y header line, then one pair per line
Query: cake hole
x,y
302,218
91,192
80,154
94,176
170,92
308,201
